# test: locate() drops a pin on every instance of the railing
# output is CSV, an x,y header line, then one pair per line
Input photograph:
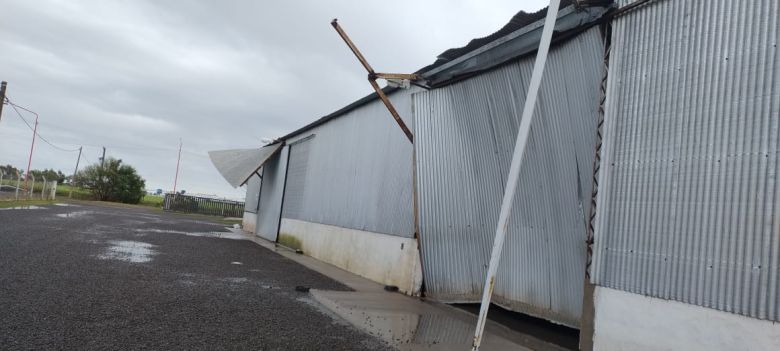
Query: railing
x,y
203,205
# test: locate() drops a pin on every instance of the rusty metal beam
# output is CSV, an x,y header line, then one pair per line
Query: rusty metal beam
x,y
409,76
372,80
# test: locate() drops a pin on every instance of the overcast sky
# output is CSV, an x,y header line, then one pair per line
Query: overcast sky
x,y
136,76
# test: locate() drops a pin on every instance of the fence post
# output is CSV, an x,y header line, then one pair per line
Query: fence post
x,y
32,187
43,189
18,182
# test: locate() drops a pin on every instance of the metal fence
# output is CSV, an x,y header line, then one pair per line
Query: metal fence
x,y
11,188
203,205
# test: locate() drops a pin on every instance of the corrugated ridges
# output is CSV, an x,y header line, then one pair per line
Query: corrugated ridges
x,y
690,208
465,138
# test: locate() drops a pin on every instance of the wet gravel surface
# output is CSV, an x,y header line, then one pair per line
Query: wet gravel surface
x,y
95,277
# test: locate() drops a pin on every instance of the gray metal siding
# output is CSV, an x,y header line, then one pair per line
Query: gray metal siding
x,y
297,173
271,196
358,173
465,137
252,194
689,207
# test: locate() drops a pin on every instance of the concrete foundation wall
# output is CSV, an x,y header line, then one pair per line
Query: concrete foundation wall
x,y
626,321
249,221
386,259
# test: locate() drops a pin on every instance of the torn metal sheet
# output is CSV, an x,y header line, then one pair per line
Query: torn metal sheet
x,y
238,165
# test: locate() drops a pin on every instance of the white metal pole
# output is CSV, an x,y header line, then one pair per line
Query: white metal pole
x,y
514,168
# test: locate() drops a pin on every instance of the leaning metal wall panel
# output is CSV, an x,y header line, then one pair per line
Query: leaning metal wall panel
x,y
465,138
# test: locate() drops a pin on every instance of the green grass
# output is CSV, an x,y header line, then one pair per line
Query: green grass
x,y
13,203
152,201
64,190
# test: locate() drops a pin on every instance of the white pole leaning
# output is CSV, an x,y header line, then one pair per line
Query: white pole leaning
x,y
514,168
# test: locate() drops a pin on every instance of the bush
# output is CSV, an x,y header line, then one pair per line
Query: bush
x,y
114,181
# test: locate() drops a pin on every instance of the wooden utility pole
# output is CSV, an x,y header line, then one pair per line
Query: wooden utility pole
x,y
32,147
178,160
103,159
72,180
2,97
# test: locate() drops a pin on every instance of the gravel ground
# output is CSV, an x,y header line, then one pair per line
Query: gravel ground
x,y
99,277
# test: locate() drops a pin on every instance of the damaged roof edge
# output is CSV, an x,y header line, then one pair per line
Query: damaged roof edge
x,y
514,45
511,46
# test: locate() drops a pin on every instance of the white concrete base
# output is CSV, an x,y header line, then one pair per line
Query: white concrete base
x,y
626,321
386,259
249,222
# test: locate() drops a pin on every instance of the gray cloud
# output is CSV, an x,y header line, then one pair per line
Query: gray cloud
x,y
137,75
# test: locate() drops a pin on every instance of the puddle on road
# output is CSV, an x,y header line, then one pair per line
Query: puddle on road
x,y
74,214
129,251
239,280
66,205
408,324
222,235
28,207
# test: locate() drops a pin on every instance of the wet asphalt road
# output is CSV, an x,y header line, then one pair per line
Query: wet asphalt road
x,y
96,277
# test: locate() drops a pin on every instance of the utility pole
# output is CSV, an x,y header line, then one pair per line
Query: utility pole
x,y
72,180
32,146
103,159
178,160
2,97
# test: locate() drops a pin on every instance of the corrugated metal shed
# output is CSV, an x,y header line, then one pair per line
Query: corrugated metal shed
x,y
689,207
357,171
465,137
274,173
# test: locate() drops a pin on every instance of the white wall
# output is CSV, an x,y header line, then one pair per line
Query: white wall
x,y
386,259
249,221
626,321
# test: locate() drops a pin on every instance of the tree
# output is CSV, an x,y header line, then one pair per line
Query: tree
x,y
9,170
114,181
50,175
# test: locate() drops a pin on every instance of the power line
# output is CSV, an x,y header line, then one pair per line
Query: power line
x,y
14,106
136,147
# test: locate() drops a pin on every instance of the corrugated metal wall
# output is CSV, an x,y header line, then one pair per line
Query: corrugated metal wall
x,y
689,207
274,173
359,172
465,137
297,171
252,192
